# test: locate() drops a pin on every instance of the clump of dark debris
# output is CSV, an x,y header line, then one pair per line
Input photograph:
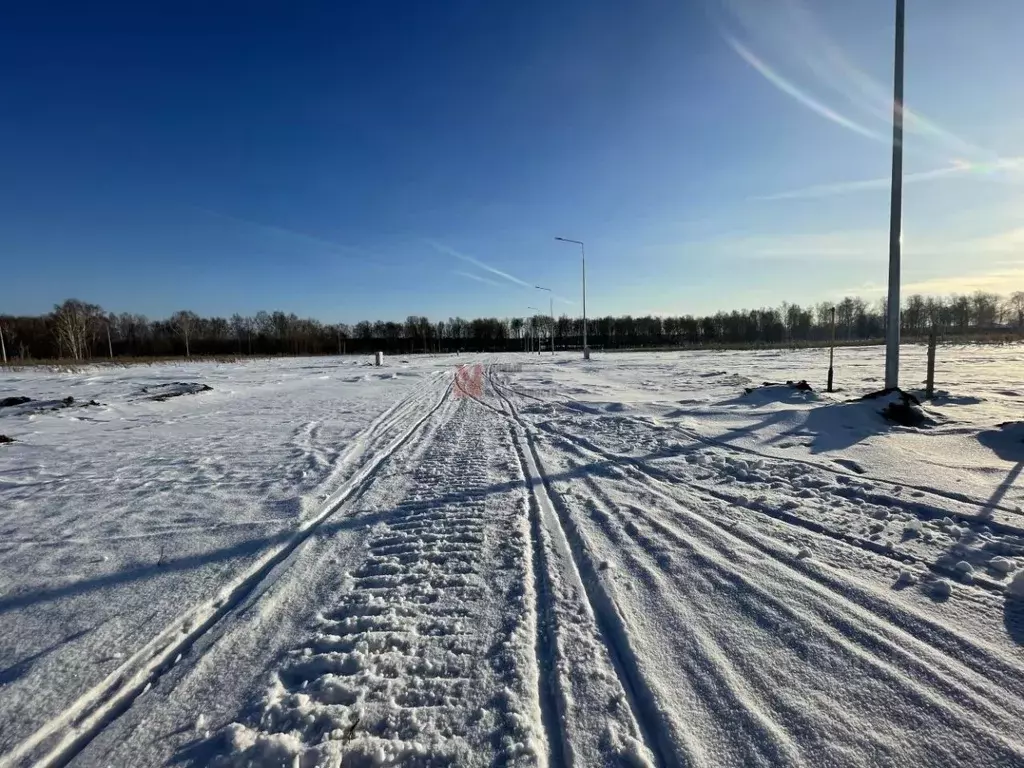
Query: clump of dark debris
x,y
903,408
37,406
162,392
4,439
800,386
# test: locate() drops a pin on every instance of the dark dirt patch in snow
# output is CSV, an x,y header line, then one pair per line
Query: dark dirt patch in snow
x,y
799,386
162,392
901,407
26,405
775,392
4,439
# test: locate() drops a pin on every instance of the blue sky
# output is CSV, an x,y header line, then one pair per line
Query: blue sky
x,y
379,159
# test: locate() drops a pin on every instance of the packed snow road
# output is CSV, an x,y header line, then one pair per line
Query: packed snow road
x,y
484,571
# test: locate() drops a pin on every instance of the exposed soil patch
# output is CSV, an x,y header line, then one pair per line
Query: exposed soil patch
x,y
903,408
4,439
26,405
799,386
161,392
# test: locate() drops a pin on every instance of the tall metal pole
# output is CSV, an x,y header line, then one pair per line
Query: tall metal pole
x,y
583,256
892,340
832,350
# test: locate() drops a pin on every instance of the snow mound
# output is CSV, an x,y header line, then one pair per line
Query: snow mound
x,y
1016,587
1001,564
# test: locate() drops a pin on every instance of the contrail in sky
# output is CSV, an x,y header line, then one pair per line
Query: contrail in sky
x,y
477,263
478,278
790,89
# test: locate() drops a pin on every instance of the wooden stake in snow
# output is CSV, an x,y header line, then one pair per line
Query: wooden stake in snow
x,y
832,349
929,389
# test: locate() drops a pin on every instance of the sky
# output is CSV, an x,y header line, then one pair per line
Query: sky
x,y
351,160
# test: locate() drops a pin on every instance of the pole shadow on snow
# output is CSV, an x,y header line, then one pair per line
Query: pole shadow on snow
x,y
822,427
1007,442
21,668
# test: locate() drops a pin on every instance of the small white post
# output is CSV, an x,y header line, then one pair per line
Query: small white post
x,y
379,359
930,383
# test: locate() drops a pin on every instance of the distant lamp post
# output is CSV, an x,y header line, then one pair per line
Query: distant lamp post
x,y
892,336
551,312
583,257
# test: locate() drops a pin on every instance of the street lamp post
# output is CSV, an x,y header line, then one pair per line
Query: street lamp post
x,y
583,257
551,313
892,336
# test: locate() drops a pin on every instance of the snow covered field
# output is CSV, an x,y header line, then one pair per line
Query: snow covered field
x,y
535,560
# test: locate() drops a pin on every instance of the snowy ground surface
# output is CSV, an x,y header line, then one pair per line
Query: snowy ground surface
x,y
535,560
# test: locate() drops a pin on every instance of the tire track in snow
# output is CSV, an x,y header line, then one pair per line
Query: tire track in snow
x,y
58,741
420,662
698,576
952,680
899,556
645,738
929,510
664,486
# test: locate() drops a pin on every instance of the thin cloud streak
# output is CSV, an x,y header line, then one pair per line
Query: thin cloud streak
x,y
846,187
793,91
789,26
1012,167
291,234
477,263
478,278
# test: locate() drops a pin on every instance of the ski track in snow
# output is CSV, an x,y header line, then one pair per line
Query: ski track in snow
x,y
847,654
422,660
532,580
59,740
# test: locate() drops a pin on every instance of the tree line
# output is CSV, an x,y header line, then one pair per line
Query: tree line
x,y
78,330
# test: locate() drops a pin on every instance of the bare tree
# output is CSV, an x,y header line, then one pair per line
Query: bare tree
x,y
1015,304
184,324
74,322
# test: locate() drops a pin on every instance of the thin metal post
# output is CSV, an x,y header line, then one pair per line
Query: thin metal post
x,y
832,350
583,258
892,342
930,382
110,346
